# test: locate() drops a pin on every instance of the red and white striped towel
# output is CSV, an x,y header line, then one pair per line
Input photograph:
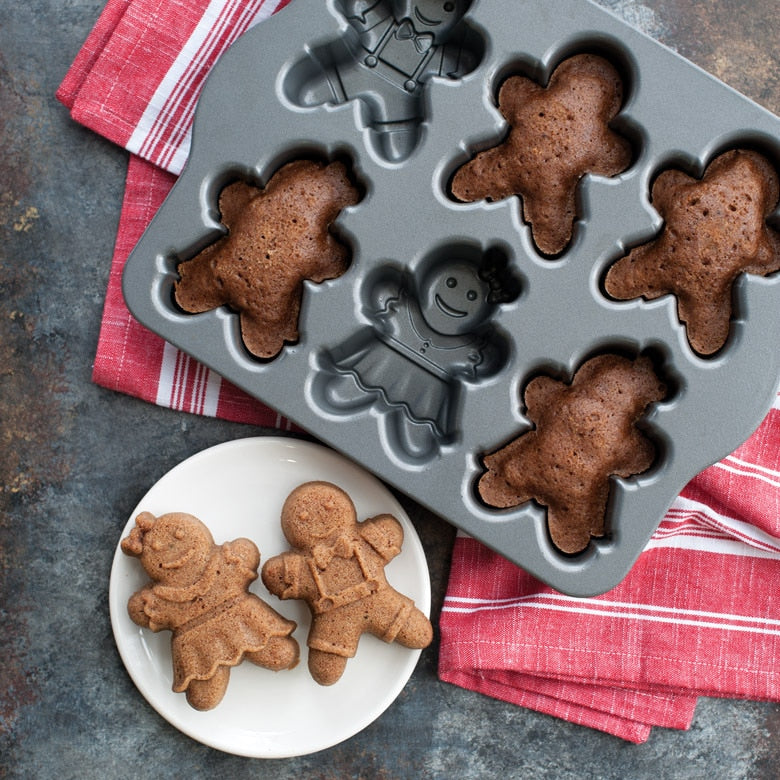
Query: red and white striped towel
x,y
136,81
699,614
138,76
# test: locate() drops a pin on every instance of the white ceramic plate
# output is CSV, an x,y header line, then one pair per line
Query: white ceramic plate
x,y
237,489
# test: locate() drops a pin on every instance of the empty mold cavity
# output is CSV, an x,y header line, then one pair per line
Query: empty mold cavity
x,y
384,58
559,130
717,225
430,332
586,429
274,238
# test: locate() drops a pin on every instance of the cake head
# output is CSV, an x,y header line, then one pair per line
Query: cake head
x,y
173,548
315,512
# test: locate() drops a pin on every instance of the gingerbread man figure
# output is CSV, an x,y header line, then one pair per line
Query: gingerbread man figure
x,y
277,238
199,591
557,134
586,432
715,229
337,567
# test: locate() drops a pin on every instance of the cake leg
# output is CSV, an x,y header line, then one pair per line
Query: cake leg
x,y
326,668
281,652
417,632
206,694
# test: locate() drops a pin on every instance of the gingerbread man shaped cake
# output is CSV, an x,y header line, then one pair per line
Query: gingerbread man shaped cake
x,y
277,238
337,567
585,433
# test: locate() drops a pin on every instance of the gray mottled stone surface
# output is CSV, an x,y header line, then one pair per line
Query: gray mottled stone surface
x,y
76,458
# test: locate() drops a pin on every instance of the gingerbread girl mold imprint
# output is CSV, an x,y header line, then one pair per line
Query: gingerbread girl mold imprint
x,y
430,333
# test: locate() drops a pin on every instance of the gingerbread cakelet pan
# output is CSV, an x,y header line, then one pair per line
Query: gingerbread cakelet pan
x,y
515,258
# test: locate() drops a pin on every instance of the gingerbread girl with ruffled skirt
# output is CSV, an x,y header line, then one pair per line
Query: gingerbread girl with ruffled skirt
x,y
199,591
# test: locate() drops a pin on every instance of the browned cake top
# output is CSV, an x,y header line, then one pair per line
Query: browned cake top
x,y
714,229
557,134
278,236
585,432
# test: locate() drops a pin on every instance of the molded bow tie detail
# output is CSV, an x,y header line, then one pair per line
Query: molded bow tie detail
x,y
406,31
324,553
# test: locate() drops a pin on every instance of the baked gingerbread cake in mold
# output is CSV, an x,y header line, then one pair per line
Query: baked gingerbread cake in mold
x,y
585,433
414,353
276,237
558,132
715,229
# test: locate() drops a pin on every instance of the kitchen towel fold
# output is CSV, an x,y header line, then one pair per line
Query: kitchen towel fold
x,y
136,81
698,614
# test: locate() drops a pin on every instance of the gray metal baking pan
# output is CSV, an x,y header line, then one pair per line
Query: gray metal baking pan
x,y
287,90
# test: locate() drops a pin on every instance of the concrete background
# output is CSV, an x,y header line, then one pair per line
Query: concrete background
x,y
75,459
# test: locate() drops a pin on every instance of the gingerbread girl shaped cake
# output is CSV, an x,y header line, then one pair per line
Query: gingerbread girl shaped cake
x,y
199,591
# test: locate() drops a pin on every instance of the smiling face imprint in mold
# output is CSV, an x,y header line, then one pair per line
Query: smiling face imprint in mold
x,y
433,16
454,299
